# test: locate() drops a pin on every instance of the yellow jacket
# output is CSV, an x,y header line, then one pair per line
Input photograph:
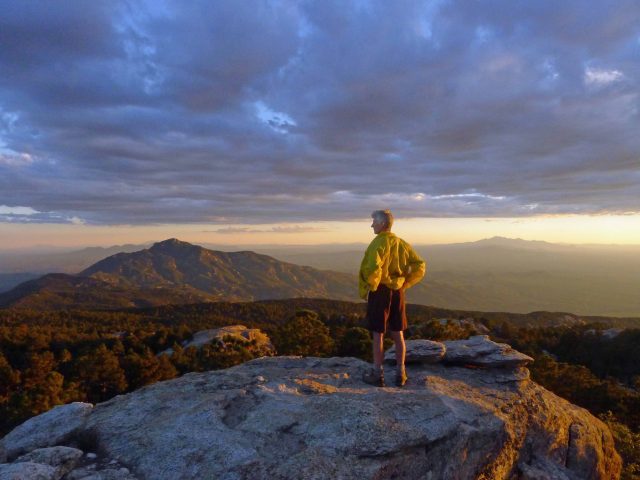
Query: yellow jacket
x,y
391,261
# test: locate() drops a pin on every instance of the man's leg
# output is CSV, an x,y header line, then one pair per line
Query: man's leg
x,y
378,305
398,323
376,376
401,349
378,353
401,374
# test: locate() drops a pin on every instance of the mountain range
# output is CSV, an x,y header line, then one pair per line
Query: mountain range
x,y
495,274
514,275
173,272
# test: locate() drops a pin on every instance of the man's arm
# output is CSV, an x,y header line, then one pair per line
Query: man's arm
x,y
417,268
371,270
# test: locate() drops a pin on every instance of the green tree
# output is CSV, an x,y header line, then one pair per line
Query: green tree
x,y
145,368
627,444
39,365
100,375
356,342
304,335
166,370
232,352
46,394
9,379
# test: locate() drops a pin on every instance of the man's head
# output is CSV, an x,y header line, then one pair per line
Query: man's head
x,y
382,221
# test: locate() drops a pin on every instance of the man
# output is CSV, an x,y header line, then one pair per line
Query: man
x,y
389,267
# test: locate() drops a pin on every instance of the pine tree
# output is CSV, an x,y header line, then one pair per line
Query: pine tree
x,y
100,375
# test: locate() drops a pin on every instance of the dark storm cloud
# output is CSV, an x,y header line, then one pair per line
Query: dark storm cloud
x,y
268,111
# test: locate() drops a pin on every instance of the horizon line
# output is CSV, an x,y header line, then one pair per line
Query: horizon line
x,y
60,249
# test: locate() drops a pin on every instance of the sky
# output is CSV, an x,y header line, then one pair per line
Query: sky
x,y
289,122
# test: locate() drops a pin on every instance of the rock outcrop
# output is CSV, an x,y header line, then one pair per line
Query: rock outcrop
x,y
255,337
418,351
479,351
608,334
27,471
476,351
314,418
61,459
51,428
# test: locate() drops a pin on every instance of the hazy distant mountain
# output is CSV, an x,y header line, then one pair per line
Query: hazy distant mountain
x,y
495,274
520,276
511,243
37,263
179,272
10,280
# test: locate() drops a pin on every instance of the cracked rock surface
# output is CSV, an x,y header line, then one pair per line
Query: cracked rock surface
x,y
287,417
66,463
418,351
46,430
480,351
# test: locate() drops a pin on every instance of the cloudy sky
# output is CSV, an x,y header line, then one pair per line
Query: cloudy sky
x,y
243,113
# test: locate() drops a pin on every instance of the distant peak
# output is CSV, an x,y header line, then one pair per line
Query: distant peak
x,y
498,238
507,240
171,243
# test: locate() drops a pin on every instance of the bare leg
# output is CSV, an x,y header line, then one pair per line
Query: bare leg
x,y
398,338
401,349
376,376
377,349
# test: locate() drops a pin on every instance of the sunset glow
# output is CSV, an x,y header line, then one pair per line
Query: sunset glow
x,y
577,229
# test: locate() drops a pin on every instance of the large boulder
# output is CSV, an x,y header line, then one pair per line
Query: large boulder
x,y
259,340
481,352
106,474
27,471
62,462
49,429
312,418
418,351
62,459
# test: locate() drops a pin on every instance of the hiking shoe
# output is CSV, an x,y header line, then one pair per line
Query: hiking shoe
x,y
401,379
374,378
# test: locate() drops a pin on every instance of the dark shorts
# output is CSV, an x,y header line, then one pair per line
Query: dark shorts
x,y
386,307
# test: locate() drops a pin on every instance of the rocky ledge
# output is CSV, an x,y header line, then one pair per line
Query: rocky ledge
x,y
260,341
314,418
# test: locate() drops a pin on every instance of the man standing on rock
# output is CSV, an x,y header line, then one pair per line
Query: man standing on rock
x,y
389,267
